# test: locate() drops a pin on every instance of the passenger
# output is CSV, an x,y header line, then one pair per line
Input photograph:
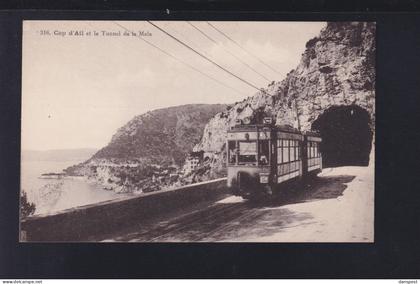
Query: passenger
x,y
232,156
263,160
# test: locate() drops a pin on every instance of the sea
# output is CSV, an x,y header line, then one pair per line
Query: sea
x,y
55,194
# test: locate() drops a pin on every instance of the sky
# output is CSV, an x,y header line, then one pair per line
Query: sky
x,y
77,90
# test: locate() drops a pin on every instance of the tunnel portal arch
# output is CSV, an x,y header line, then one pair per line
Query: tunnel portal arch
x,y
347,136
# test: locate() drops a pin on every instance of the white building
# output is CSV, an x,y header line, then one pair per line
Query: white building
x,y
191,163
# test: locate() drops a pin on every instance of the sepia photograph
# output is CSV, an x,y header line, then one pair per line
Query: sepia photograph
x,y
197,131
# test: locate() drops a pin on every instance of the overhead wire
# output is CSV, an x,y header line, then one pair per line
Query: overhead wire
x,y
203,56
181,36
237,44
180,60
226,50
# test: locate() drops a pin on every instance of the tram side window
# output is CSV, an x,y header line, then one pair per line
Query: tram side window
x,y
297,150
319,150
312,149
292,150
247,152
279,151
285,151
232,152
264,151
308,148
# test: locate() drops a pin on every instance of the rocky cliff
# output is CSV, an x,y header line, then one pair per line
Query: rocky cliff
x,y
337,68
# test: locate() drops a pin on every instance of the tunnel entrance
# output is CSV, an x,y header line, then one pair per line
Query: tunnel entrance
x,y
346,136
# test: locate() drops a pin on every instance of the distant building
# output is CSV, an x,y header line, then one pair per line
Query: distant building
x,y
193,161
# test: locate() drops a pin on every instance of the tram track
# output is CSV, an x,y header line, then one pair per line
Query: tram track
x,y
183,223
200,223
210,235
205,224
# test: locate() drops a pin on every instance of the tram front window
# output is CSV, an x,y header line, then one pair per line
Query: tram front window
x,y
247,152
264,150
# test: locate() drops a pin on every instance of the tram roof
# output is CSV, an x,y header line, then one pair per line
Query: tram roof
x,y
311,133
255,127
282,128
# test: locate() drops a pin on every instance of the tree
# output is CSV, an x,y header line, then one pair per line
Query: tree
x,y
26,208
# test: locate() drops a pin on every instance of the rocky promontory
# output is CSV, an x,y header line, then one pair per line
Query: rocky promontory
x,y
148,152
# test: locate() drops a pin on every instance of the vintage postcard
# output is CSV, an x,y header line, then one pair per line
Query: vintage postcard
x,y
197,131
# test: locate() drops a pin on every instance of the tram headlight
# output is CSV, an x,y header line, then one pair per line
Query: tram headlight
x,y
263,178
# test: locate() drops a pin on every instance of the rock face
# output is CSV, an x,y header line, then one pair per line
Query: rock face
x,y
336,69
148,149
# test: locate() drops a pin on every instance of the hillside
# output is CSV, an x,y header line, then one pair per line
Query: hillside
x,y
163,136
148,148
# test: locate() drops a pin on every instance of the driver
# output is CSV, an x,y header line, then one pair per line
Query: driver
x,y
263,160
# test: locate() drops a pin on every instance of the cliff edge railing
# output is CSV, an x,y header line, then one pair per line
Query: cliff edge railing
x,y
85,223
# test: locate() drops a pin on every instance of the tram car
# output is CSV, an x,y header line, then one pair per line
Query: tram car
x,y
264,158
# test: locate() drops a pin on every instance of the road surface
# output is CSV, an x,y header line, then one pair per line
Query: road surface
x,y
335,207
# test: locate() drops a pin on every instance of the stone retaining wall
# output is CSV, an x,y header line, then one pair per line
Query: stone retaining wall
x,y
83,223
